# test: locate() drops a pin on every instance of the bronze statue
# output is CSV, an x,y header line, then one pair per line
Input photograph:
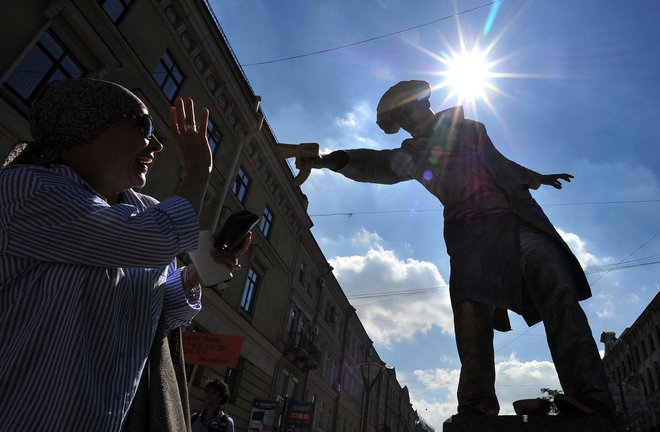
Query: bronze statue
x,y
504,252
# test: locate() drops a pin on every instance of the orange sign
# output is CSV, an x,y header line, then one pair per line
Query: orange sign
x,y
211,349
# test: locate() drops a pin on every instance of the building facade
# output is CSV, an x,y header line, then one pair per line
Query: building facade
x,y
302,338
632,364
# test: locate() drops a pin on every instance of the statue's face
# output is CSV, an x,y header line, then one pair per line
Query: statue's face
x,y
405,120
414,117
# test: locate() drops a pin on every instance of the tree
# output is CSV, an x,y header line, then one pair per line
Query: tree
x,y
549,395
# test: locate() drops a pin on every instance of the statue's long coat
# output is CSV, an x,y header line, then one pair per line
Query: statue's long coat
x,y
485,197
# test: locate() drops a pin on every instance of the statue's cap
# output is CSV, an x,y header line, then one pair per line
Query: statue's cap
x,y
397,97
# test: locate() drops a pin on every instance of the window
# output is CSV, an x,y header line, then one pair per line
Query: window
x,y
301,274
116,9
284,382
292,390
266,222
649,382
651,344
47,61
327,311
231,378
326,363
643,352
241,185
330,313
168,76
249,291
214,135
293,318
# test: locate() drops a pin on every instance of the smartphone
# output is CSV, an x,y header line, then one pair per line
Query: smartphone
x,y
234,230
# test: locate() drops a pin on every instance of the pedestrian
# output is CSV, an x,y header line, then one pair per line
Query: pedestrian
x,y
87,264
504,252
212,418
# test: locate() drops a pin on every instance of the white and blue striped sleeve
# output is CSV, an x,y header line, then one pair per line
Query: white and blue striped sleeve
x,y
179,309
66,223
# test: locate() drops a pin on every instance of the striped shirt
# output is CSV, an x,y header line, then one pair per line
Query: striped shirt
x,y
82,288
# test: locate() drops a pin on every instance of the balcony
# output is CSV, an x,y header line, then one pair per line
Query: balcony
x,y
302,350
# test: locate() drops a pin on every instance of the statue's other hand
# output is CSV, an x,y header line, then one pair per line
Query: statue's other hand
x,y
553,179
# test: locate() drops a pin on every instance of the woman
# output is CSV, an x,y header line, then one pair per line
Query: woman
x,y
87,265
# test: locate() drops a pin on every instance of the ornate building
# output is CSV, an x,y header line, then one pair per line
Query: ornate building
x,y
632,364
302,338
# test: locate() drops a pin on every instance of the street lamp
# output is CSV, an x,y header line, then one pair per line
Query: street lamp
x,y
370,373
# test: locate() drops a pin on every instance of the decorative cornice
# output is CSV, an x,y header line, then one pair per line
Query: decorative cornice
x,y
216,87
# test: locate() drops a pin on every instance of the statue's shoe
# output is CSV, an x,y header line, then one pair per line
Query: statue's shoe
x,y
582,406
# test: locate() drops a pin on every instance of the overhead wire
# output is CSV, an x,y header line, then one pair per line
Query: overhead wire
x,y
623,264
353,213
654,259
394,33
592,284
624,258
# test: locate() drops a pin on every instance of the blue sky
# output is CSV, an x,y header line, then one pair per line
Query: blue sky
x,y
576,89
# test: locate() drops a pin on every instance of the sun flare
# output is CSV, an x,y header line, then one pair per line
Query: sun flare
x,y
469,69
467,76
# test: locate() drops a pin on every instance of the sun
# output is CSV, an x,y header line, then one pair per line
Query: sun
x,y
467,76
468,69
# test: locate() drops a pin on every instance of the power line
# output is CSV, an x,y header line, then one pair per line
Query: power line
x,y
513,340
621,265
451,382
654,259
618,266
397,293
352,213
592,284
373,38
624,258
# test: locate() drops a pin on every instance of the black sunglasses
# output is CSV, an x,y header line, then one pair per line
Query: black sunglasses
x,y
145,122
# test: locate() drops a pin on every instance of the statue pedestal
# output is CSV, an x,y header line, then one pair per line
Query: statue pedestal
x,y
531,423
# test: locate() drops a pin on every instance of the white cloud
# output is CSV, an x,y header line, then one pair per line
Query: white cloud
x,y
617,180
357,118
604,305
350,121
353,130
579,248
422,301
515,380
367,238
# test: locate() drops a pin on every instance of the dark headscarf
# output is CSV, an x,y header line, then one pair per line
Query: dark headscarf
x,y
71,112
